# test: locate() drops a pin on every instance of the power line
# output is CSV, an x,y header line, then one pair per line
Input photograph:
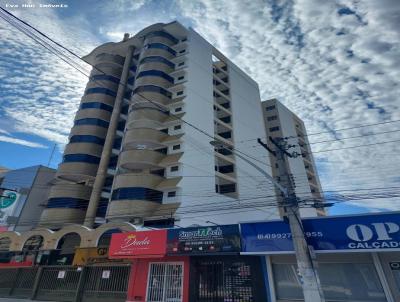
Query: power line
x,y
330,132
163,110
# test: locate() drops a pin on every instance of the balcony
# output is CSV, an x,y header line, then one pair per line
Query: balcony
x,y
70,190
141,159
77,171
139,138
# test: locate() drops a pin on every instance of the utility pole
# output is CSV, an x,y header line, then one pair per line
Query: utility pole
x,y
312,290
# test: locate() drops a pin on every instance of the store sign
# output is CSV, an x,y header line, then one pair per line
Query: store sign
x,y
204,240
8,202
346,233
138,244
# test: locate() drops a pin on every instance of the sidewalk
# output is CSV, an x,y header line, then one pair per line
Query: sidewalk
x,y
18,300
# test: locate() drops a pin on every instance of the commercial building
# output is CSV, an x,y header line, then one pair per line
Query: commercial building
x,y
24,192
357,256
140,151
147,201
280,122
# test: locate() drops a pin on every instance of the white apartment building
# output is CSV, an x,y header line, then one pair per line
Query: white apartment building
x,y
280,122
140,149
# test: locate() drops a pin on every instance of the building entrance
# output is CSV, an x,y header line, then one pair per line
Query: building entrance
x,y
227,278
165,282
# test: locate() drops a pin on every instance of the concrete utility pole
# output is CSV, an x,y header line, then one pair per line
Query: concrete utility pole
x,y
108,144
312,290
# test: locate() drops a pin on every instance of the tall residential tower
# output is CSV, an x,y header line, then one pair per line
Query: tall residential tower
x,y
280,122
140,149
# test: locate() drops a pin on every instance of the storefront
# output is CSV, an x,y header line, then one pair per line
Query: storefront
x,y
357,257
154,276
217,272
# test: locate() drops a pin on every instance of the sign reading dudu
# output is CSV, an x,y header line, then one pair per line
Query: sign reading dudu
x,y
345,233
223,239
138,244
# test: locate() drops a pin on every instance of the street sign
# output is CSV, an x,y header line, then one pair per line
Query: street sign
x,y
343,233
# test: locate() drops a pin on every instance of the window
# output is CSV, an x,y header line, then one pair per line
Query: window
x,y
182,51
179,93
181,78
137,193
156,73
176,147
184,40
172,194
131,81
157,59
101,90
181,64
178,109
86,139
174,168
340,282
273,129
226,119
152,88
67,202
227,134
226,169
91,121
272,118
231,188
269,108
160,46
177,127
104,77
85,158
96,105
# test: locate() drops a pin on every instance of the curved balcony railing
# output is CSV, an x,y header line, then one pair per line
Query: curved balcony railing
x,y
140,159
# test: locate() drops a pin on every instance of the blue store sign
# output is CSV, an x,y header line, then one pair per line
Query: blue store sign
x,y
345,233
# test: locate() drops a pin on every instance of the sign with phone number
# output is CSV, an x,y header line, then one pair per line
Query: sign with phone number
x,y
343,233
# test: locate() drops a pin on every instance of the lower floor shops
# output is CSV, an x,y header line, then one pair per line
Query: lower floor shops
x,y
198,279
344,277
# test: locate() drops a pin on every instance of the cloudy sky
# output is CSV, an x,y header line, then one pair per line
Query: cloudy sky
x,y
335,63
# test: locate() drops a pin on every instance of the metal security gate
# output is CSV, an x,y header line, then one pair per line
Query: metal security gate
x,y
105,283
17,282
228,278
59,283
165,282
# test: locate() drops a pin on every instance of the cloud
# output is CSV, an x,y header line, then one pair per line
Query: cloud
x,y
335,70
13,140
334,63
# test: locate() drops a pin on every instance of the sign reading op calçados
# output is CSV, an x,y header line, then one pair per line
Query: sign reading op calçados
x,y
223,239
359,233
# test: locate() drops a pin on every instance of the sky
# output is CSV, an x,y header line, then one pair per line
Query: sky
x,y
336,64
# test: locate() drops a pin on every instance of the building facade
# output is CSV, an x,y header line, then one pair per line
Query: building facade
x,y
24,192
280,122
140,151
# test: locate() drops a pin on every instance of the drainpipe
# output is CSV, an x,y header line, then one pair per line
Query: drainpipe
x,y
108,144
